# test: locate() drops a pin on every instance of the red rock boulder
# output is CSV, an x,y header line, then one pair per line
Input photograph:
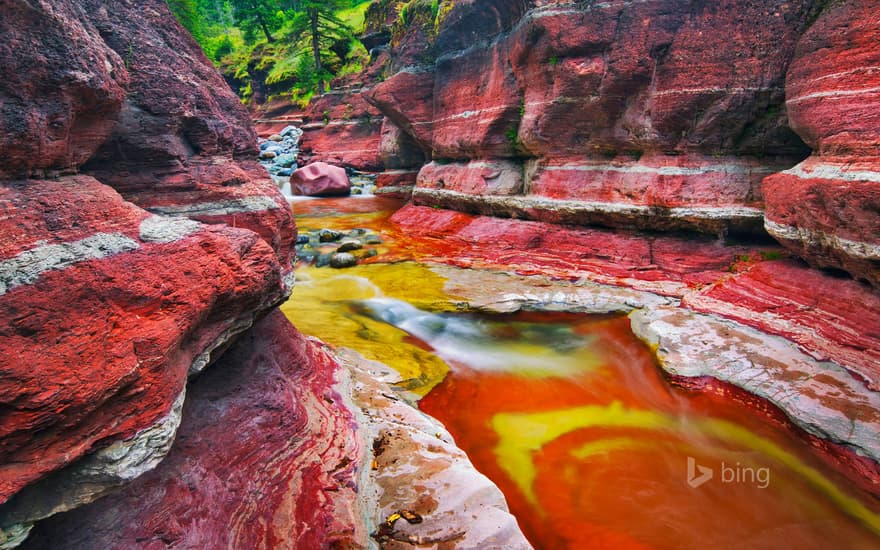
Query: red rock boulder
x,y
105,309
265,457
320,179
827,209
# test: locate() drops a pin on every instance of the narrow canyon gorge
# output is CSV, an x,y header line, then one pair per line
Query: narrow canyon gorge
x,y
571,275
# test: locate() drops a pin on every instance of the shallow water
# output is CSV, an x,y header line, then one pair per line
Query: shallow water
x,y
571,417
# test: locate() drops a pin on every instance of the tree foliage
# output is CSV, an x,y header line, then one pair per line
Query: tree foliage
x,y
277,46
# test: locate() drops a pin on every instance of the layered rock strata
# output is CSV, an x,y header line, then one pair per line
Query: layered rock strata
x,y
749,285
827,208
613,114
119,141
106,310
309,451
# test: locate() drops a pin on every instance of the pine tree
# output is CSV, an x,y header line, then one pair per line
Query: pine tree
x,y
262,14
316,20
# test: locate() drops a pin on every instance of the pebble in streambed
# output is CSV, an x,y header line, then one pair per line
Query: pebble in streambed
x,y
336,249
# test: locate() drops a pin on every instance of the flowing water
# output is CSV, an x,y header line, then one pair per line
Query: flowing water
x,y
570,416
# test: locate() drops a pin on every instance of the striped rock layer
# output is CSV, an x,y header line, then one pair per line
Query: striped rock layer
x,y
106,309
827,208
138,239
637,114
308,450
648,115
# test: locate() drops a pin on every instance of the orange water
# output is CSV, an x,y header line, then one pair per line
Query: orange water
x,y
596,456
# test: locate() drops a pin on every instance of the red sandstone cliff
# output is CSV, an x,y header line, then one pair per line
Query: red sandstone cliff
x,y
651,115
139,243
827,208
138,238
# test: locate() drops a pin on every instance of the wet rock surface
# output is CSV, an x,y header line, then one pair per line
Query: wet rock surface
x,y
338,249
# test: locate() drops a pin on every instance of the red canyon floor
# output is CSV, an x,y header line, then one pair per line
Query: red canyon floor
x,y
594,452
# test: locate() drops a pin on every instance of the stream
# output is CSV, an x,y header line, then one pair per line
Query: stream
x,y
570,415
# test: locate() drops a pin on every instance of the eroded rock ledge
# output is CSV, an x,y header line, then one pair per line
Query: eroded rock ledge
x,y
139,239
283,444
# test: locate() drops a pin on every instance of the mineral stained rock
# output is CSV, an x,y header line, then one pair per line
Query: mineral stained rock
x,y
827,208
105,310
112,290
285,445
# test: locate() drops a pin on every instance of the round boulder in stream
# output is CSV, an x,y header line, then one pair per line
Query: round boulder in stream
x,y
341,260
320,179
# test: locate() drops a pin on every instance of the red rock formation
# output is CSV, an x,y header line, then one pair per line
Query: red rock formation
x,y
341,128
271,454
777,297
320,179
183,146
108,302
61,89
105,309
263,458
639,115
840,323
827,209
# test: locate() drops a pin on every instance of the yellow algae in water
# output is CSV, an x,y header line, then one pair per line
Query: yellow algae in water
x,y
522,434
321,306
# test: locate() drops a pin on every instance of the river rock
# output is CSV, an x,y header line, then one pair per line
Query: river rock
x,y
348,246
268,155
275,137
292,132
341,260
329,235
285,160
320,180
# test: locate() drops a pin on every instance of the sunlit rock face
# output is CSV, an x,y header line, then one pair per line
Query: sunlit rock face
x,y
623,114
120,282
827,208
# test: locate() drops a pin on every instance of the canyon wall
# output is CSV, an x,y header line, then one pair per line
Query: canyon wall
x,y
827,208
144,364
651,115
138,238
